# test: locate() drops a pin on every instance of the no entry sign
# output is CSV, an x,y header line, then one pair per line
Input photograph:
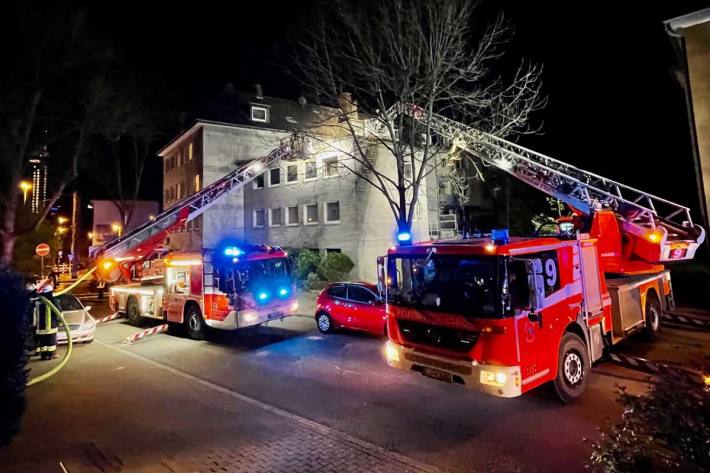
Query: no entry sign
x,y
42,249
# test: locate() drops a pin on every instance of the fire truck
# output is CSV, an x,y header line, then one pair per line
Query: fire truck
x,y
232,286
505,315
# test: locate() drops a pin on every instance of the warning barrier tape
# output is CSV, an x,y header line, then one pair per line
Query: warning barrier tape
x,y
108,317
151,331
654,367
698,322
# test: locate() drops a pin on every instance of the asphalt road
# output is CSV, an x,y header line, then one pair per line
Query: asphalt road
x,y
342,382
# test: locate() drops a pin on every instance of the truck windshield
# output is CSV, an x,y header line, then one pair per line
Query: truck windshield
x,y
260,271
466,285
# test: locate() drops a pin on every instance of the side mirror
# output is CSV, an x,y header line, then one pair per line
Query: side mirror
x,y
536,284
87,308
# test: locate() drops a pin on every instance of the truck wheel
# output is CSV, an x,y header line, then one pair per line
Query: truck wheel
x,y
133,312
654,312
194,323
324,322
572,368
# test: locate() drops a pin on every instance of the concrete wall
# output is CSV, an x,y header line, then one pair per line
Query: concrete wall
x,y
697,40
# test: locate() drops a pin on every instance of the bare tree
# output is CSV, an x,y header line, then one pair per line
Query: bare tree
x,y
364,59
38,92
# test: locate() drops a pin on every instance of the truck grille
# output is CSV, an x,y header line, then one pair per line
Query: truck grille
x,y
436,336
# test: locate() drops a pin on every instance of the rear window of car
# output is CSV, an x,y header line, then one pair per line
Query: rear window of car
x,y
69,302
337,291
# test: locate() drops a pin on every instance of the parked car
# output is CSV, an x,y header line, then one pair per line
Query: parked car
x,y
81,324
350,305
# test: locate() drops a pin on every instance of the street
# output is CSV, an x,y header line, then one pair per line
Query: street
x,y
283,397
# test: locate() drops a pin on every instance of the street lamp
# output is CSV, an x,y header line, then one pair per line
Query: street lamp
x,y
62,220
116,227
61,230
25,187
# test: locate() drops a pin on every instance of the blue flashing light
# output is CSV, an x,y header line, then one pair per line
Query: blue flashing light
x,y
283,292
233,251
500,236
404,237
262,296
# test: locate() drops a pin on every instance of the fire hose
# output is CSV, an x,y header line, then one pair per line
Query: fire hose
x,y
72,286
65,326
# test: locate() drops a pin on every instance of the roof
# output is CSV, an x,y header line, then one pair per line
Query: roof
x,y
688,20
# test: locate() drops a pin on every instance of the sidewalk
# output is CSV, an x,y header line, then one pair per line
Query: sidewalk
x,y
126,413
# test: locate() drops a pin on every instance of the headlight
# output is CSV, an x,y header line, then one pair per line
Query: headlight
x,y
392,353
493,378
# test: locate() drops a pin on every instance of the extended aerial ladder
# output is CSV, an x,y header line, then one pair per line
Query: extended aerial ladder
x,y
636,229
141,241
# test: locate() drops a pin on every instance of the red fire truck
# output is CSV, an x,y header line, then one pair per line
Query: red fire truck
x,y
231,287
235,287
504,315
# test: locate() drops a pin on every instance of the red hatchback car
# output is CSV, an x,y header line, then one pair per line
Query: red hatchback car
x,y
350,305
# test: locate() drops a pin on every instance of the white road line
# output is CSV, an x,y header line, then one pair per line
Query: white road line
x,y
371,448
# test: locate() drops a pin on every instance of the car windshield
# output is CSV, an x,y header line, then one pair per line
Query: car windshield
x,y
467,285
69,302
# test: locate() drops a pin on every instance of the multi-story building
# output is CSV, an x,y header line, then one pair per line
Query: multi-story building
x,y
313,202
40,174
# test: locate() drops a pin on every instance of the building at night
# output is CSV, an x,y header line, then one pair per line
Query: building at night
x,y
38,170
690,36
314,202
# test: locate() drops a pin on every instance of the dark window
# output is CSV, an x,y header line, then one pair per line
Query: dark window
x,y
333,250
360,294
311,171
259,182
337,291
274,177
292,173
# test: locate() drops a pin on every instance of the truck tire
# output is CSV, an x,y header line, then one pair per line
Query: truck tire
x,y
195,326
572,368
654,313
133,312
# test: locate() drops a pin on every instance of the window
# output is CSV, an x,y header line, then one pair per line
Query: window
x,y
173,161
292,215
311,214
197,182
189,151
332,250
167,164
259,182
259,218
181,158
259,114
360,294
167,195
274,177
276,217
550,270
337,291
292,173
183,189
332,212
310,171
330,167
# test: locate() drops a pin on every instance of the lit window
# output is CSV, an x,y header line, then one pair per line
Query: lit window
x,y
311,214
292,173
259,218
197,182
259,114
189,151
330,167
276,217
259,182
274,177
292,216
311,172
332,212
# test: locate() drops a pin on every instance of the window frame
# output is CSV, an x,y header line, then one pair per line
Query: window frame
x,y
344,286
350,286
295,181
254,219
326,162
270,171
305,172
305,214
325,213
271,217
260,108
256,181
298,216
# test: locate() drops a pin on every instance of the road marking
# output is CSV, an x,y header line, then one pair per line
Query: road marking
x,y
367,447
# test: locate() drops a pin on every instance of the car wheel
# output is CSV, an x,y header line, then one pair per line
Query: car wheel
x,y
654,312
324,322
572,368
194,323
133,313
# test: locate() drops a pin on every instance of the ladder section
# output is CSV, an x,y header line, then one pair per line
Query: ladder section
x,y
583,190
152,232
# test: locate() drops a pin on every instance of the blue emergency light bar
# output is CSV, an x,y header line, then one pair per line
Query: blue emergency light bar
x,y
500,236
233,251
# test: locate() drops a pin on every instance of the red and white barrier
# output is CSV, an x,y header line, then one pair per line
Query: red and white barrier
x,y
151,331
108,317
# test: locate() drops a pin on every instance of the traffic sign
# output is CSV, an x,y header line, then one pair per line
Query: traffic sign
x,y
70,256
42,249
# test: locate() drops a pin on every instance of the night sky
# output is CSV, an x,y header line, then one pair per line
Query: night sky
x,y
614,107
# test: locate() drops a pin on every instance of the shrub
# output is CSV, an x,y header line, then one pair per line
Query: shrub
x,y
14,321
335,267
664,430
307,263
312,281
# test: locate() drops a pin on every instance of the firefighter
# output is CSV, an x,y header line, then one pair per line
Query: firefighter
x,y
47,323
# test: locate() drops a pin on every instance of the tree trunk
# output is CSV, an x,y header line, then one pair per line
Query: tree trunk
x,y
8,227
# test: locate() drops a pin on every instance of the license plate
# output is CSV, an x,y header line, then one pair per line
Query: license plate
x,y
276,315
437,374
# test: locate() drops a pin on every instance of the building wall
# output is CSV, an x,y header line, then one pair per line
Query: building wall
x,y
697,40
106,214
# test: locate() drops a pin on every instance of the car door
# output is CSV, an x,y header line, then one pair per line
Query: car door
x,y
339,306
363,310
